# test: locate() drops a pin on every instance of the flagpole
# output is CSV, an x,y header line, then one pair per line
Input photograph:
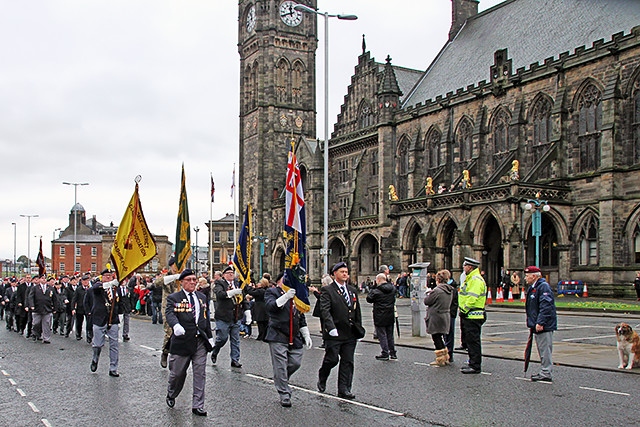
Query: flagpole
x,y
235,210
210,232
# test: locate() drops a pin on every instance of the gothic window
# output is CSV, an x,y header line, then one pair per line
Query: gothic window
x,y
588,242
432,143
343,206
403,169
374,163
373,198
253,86
500,132
541,121
365,115
636,121
464,139
589,125
282,81
248,89
343,170
636,245
296,83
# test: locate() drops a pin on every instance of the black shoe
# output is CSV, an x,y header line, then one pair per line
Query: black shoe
x,y
285,402
382,357
538,377
171,402
394,357
199,411
114,374
88,340
78,338
46,342
235,364
55,332
66,335
163,360
322,386
347,395
214,358
126,338
469,370
94,366
160,322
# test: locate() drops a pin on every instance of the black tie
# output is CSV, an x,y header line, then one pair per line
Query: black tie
x,y
193,306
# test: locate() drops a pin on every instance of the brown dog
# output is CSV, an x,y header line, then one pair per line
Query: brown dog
x,y
628,346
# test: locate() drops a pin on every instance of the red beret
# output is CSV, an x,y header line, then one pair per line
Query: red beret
x,y
532,269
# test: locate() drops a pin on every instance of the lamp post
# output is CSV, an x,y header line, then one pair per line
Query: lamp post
x,y
325,238
196,229
14,248
535,206
29,239
262,239
75,219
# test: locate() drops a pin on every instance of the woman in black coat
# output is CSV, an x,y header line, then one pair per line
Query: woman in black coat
x,y
260,315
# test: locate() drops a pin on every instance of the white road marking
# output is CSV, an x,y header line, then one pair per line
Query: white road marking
x,y
329,396
529,380
33,407
605,391
526,331
20,392
589,338
149,348
5,373
486,373
46,422
421,364
12,381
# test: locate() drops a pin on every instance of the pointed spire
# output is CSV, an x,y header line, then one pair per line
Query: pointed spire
x,y
389,84
364,45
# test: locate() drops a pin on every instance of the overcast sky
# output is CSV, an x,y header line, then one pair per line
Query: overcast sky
x,y
101,91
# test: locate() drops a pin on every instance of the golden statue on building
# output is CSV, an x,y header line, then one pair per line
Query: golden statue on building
x,y
428,188
393,196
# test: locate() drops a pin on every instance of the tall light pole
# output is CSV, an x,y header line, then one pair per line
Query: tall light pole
x,y
14,247
535,206
75,219
325,238
262,239
196,229
29,239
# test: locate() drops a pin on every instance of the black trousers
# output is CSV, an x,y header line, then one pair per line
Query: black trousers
x,y
334,352
472,330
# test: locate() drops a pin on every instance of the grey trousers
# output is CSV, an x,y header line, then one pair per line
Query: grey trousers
x,y
99,334
125,324
42,324
285,362
178,366
544,343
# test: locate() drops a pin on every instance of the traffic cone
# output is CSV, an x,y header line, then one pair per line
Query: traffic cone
x,y
510,299
585,293
522,297
489,301
499,296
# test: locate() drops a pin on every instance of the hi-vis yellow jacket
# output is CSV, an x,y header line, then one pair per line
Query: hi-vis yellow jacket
x,y
473,296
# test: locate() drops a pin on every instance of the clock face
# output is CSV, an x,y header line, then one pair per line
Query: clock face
x,y
251,19
289,15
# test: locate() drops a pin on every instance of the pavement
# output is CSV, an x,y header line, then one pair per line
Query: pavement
x,y
573,354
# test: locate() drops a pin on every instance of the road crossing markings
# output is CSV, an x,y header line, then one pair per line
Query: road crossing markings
x,y
329,396
33,407
149,348
5,373
12,381
605,391
589,338
46,422
21,393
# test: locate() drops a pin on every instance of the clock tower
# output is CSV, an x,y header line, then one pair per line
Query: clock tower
x,y
277,46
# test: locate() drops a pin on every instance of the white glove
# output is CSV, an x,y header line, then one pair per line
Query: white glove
x,y
247,317
178,330
307,337
212,341
170,278
282,299
233,292
333,332
111,284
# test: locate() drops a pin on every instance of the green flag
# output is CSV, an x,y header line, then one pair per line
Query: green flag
x,y
183,229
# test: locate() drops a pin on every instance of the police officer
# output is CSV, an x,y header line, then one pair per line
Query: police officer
x,y
471,301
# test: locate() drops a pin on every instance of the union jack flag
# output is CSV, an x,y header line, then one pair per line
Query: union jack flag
x,y
295,195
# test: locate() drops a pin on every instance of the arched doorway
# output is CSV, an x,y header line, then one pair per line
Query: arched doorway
x,y
548,245
413,252
337,252
448,241
368,256
278,262
492,253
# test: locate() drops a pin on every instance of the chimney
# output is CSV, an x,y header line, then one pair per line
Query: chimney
x,y
461,11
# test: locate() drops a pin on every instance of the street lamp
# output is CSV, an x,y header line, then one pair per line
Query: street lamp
x,y
196,229
325,238
535,206
75,218
262,239
29,239
14,248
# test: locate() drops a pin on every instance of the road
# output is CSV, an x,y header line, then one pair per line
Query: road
x,y
52,385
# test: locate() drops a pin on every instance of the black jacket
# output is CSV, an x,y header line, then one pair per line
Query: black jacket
x,y
41,302
259,312
77,302
105,310
383,298
68,294
179,311
279,327
336,314
125,299
226,308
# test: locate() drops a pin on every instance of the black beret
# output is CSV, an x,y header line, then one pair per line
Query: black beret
x,y
229,268
186,272
107,270
172,261
86,276
338,266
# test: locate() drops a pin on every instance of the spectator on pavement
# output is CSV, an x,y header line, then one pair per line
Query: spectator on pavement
x,y
383,297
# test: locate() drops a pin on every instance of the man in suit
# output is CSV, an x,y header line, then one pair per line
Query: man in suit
x,y
69,290
125,309
341,315
169,285
77,307
41,303
228,315
104,313
286,334
186,314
